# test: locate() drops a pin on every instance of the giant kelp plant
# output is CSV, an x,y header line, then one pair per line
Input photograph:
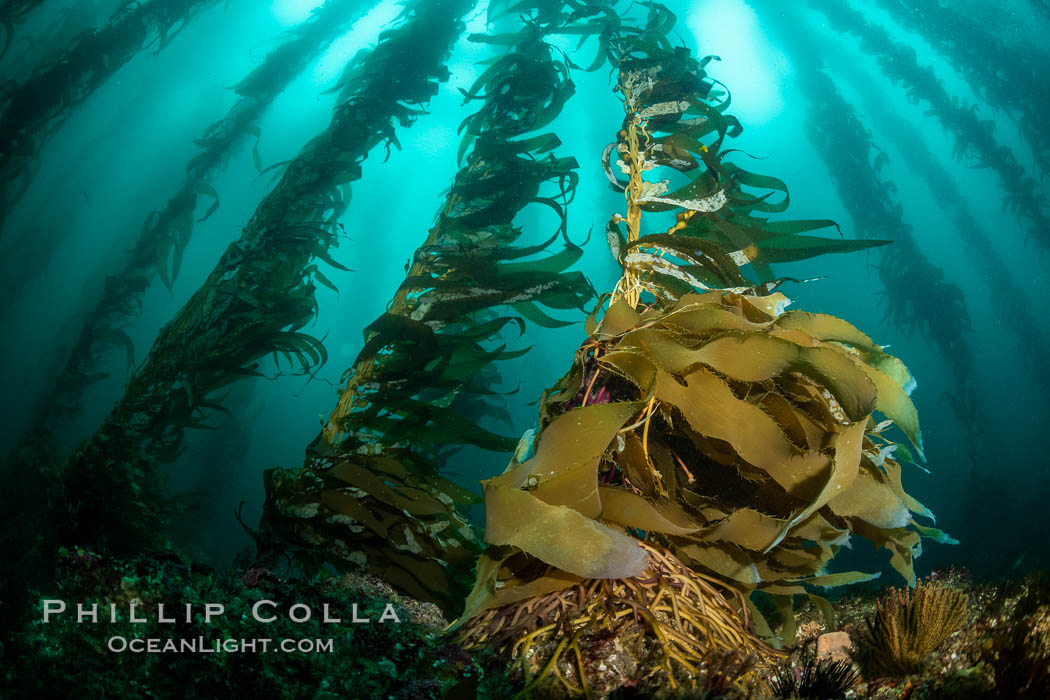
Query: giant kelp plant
x,y
251,306
166,233
12,12
261,292
699,465
704,443
989,64
1008,300
1042,7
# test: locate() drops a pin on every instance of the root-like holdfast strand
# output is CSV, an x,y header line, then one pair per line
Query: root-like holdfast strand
x,y
688,617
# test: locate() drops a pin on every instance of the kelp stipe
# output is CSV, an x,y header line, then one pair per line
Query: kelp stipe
x,y
701,429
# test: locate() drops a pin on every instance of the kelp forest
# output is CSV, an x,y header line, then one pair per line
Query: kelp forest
x,y
524,349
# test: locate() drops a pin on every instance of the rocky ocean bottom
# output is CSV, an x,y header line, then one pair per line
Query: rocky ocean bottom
x,y
251,633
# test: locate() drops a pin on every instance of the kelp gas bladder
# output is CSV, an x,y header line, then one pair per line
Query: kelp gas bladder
x,y
704,443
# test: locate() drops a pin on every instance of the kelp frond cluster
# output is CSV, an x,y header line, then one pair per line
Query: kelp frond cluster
x,y
673,623
721,224
428,366
908,626
722,436
739,435
371,512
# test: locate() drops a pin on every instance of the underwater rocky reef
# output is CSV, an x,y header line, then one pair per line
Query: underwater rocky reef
x,y
606,429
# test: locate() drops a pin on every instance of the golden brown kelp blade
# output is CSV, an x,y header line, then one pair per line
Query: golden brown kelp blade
x,y
742,437
31,111
740,440
261,293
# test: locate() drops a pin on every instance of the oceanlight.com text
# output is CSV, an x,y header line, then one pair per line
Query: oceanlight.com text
x,y
201,645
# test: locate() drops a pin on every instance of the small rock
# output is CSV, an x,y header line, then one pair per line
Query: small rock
x,y
834,646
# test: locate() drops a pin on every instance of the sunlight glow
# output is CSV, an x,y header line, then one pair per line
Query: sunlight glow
x,y
463,63
751,68
362,34
289,12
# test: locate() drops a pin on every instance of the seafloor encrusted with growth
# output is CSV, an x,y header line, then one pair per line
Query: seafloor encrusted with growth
x,y
409,660
1002,652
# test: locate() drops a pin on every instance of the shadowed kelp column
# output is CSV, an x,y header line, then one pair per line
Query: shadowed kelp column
x,y
1008,300
164,235
12,13
1041,7
260,294
974,137
1008,78
30,112
918,296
